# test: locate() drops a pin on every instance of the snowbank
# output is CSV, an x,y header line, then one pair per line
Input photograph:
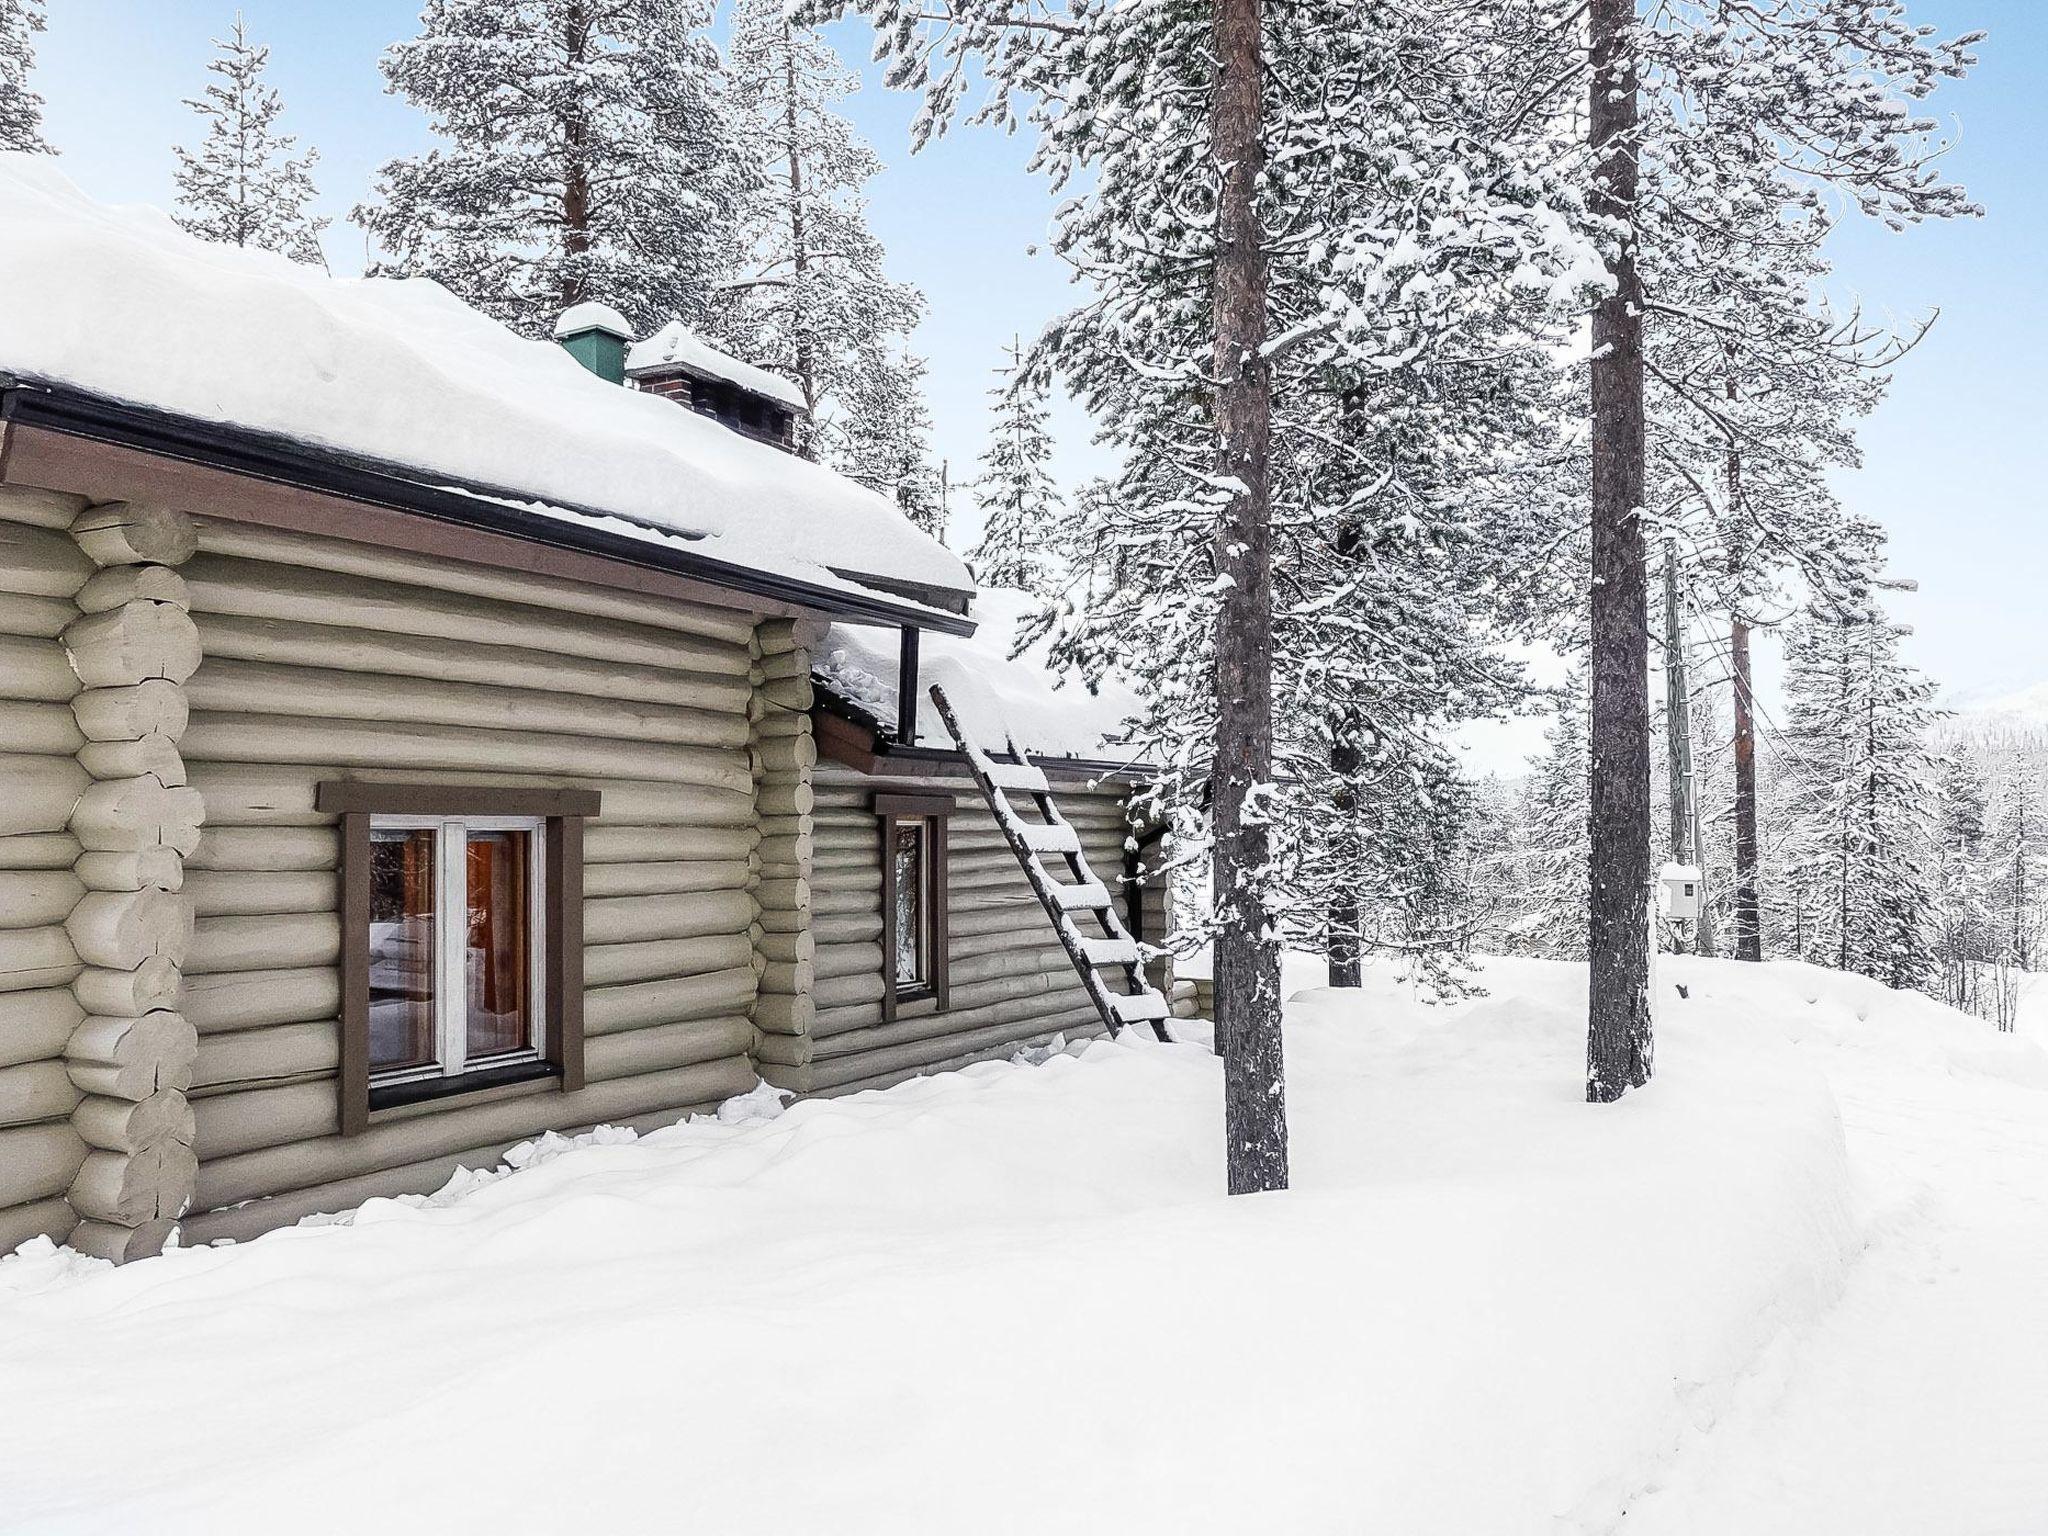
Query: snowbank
x,y
1008,1299
1023,698
122,302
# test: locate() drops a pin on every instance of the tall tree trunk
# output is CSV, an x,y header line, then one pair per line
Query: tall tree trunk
x,y
1749,931
1344,942
1749,927
800,253
576,170
1247,957
1618,1029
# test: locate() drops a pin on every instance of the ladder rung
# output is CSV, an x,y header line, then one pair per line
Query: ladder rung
x,y
1110,951
1025,778
1140,1007
1048,837
1091,897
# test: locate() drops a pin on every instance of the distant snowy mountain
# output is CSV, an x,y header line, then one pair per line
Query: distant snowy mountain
x,y
2028,706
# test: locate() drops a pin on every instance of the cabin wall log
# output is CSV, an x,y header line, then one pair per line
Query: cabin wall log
x,y
784,758
128,1059
1009,979
322,661
42,569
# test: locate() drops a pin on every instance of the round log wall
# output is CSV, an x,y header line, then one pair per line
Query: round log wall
x,y
1011,983
324,660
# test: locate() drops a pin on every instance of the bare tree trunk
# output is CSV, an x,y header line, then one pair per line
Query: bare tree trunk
x,y
576,172
1618,1031
1749,938
1343,941
800,252
1247,957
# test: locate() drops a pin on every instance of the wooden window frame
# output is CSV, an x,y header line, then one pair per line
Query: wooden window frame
x,y
560,814
932,812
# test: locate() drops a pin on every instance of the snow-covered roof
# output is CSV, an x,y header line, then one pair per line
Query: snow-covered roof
x,y
675,345
122,303
592,316
1023,698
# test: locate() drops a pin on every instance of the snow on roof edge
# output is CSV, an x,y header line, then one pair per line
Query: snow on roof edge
x,y
120,303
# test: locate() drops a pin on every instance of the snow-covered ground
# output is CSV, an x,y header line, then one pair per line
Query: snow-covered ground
x,y
1791,1286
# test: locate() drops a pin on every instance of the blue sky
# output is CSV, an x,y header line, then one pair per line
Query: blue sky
x,y
1956,458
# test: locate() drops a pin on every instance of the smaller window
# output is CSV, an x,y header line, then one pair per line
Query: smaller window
x,y
914,926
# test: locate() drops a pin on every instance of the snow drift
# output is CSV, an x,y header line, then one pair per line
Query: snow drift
x,y
1011,1298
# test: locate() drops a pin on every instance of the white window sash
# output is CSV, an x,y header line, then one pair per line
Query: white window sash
x,y
451,932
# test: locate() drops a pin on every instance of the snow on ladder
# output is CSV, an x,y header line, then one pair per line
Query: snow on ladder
x,y
1113,949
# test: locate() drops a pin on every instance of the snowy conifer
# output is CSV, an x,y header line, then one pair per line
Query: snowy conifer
x,y
244,185
586,150
2017,857
885,441
1964,937
1702,118
1860,791
1555,811
21,109
809,297
1020,505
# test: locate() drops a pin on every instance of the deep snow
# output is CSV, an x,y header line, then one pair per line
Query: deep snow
x,y
123,302
1011,1299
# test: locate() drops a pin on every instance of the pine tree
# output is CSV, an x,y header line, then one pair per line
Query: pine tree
x,y
1753,112
243,185
1020,505
587,152
1556,813
2018,864
886,441
810,298
21,109
1860,785
1964,936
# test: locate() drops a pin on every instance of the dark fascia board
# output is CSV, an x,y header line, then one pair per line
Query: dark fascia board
x,y
286,461
890,753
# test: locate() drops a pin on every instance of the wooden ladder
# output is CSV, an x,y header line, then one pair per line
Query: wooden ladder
x,y
1113,949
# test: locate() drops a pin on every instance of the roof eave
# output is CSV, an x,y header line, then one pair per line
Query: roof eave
x,y
80,413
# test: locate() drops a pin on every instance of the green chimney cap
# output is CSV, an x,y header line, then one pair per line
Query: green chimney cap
x,y
596,336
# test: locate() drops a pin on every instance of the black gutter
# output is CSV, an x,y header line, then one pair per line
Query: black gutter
x,y
282,460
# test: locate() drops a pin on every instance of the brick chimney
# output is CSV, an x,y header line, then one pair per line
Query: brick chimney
x,y
679,365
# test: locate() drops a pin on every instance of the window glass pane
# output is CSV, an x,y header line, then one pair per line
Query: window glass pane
x,y
910,946
402,865
498,953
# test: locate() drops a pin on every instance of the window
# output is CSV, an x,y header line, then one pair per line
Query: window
x,y
462,940
457,908
914,929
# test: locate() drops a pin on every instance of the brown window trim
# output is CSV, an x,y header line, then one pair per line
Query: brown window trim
x,y
890,808
563,811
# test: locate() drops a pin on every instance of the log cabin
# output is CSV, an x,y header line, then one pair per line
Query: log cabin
x,y
415,738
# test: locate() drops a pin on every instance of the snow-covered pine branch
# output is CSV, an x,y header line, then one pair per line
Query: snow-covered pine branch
x,y
810,297
21,109
244,185
586,149
1022,513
